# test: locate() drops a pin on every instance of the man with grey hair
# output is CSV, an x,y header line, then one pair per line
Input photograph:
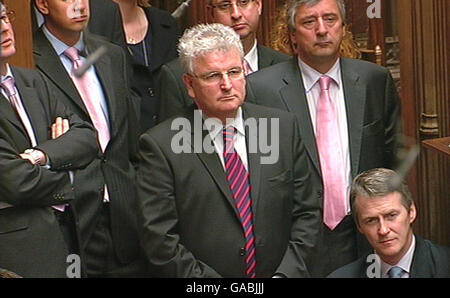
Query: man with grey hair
x,y
223,212
348,114
243,17
384,212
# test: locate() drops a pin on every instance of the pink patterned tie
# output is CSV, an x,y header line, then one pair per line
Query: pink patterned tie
x,y
331,158
93,106
247,69
8,86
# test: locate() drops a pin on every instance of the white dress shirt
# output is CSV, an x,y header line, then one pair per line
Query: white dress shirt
x,y
215,129
312,88
252,57
404,263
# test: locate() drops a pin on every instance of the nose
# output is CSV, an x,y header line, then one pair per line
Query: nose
x,y
226,82
383,229
322,28
235,11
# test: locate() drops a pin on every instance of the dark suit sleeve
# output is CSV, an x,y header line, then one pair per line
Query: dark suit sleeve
x,y
172,93
78,146
157,217
393,123
25,185
305,214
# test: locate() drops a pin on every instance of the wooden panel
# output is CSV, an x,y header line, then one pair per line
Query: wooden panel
x,y
22,30
425,90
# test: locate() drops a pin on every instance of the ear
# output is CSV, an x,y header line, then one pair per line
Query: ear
x,y
42,6
412,213
187,80
259,3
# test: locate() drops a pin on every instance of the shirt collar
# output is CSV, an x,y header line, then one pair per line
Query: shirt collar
x,y
8,73
60,46
404,263
215,126
252,57
311,76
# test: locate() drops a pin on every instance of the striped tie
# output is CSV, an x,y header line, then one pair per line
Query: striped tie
x,y
238,179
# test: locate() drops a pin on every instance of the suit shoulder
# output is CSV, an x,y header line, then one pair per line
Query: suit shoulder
x,y
174,66
271,72
277,56
351,270
269,112
363,66
164,16
28,76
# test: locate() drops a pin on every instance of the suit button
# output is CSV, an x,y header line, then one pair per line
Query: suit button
x,y
242,252
154,117
319,193
151,92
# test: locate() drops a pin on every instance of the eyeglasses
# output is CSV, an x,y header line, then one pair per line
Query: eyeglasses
x,y
227,6
216,77
7,17
312,22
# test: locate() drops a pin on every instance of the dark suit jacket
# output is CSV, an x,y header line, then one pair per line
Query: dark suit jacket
x,y
113,168
31,242
188,220
373,115
164,38
172,93
429,261
105,20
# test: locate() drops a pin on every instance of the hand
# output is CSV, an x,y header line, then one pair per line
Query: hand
x,y
60,127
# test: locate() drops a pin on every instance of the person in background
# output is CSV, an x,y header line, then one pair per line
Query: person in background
x,y
151,40
243,17
41,141
105,192
348,114
384,213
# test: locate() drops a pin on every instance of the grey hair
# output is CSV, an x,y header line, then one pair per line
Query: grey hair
x,y
206,38
376,183
295,4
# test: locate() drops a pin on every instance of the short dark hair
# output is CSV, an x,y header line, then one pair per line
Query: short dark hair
x,y
379,182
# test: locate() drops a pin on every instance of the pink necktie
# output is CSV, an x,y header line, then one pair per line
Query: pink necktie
x,y
93,106
331,158
247,69
8,86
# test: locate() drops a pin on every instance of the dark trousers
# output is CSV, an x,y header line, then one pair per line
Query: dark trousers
x,y
99,255
67,225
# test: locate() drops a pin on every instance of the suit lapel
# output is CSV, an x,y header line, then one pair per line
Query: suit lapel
x,y
421,263
48,62
211,161
104,71
158,30
254,159
294,98
264,59
33,108
354,94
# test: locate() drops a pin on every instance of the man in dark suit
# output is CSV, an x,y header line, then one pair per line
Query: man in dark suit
x,y
210,203
105,191
384,213
243,17
105,20
36,153
366,118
